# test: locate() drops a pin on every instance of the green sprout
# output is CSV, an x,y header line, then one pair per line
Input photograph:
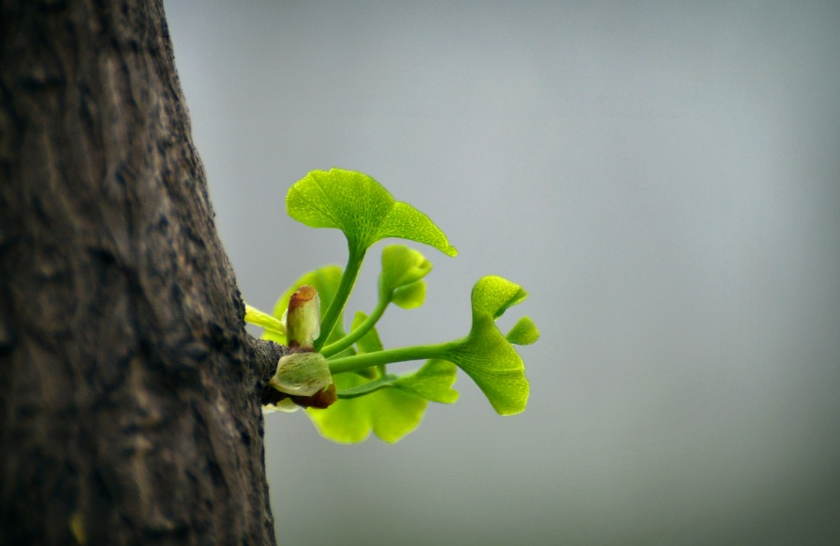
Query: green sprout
x,y
343,378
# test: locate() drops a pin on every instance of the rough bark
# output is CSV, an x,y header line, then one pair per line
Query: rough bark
x,y
129,390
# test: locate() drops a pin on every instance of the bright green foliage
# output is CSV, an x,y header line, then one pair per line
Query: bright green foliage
x,y
360,207
433,382
369,398
493,296
400,281
263,320
486,355
390,412
524,332
401,266
410,296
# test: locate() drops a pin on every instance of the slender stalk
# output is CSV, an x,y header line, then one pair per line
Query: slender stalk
x,y
417,352
357,333
367,388
348,279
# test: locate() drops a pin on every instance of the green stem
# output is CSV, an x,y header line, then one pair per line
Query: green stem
x,y
366,360
357,333
348,279
366,388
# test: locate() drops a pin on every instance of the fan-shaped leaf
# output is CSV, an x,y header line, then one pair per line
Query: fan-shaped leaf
x,y
391,406
433,382
360,207
400,281
493,295
410,296
487,357
401,266
389,413
524,332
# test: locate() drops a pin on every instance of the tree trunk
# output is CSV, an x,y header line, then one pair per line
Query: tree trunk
x,y
129,390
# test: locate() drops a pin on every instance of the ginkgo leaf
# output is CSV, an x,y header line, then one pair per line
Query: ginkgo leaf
x,y
493,295
524,332
400,281
359,206
390,406
410,296
433,382
390,413
486,356
401,266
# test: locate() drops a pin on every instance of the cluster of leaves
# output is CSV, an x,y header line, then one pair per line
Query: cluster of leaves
x,y
369,397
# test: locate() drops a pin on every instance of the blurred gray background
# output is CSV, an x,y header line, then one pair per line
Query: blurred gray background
x,y
664,179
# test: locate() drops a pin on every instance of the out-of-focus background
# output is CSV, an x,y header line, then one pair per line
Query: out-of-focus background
x,y
664,179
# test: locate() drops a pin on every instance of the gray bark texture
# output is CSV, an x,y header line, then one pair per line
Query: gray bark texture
x,y
129,390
